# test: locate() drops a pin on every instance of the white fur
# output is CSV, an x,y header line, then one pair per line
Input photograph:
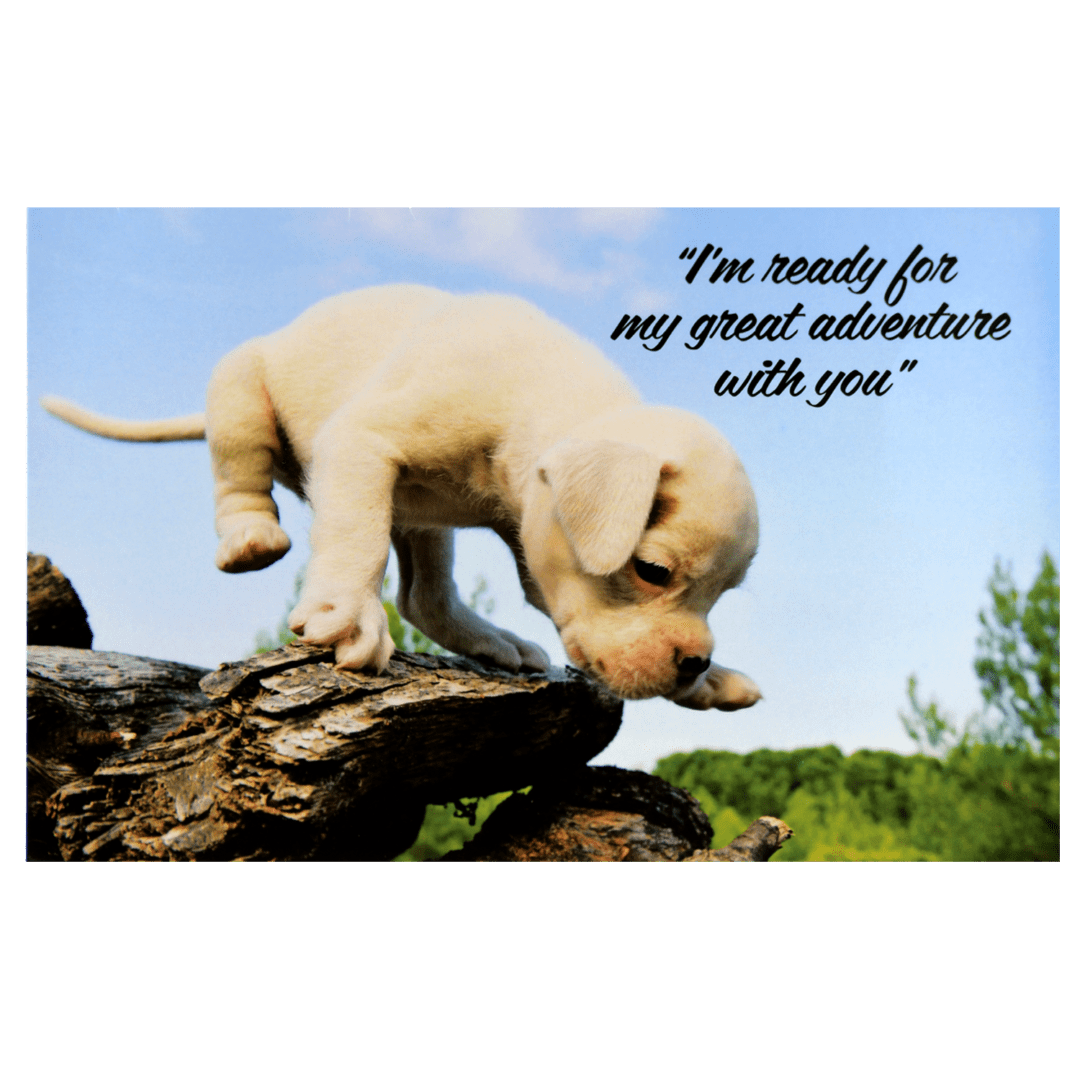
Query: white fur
x,y
402,412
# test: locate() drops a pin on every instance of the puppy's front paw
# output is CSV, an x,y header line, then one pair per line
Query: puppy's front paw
x,y
250,542
365,650
720,688
359,631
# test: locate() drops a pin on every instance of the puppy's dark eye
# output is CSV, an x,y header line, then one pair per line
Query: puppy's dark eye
x,y
653,573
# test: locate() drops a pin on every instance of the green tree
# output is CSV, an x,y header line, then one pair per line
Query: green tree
x,y
1018,663
1019,659
997,792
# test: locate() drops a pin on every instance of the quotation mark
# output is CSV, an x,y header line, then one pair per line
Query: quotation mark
x,y
908,365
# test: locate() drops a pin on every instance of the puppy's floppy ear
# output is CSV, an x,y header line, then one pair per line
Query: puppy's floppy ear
x,y
603,492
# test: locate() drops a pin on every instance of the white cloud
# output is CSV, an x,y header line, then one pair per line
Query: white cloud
x,y
523,245
621,223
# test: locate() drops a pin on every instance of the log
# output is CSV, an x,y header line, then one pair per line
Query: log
x,y
54,612
600,814
282,756
760,841
607,814
81,708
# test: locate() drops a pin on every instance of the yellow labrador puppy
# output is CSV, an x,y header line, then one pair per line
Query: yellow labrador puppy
x,y
402,412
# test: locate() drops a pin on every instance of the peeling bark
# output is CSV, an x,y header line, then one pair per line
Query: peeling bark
x,y
282,756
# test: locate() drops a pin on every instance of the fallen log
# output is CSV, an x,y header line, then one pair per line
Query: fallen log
x,y
283,756
600,814
606,814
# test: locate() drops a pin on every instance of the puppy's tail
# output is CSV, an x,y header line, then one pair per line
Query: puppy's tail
x,y
176,429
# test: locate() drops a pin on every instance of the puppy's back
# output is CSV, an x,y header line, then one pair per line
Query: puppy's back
x,y
481,367
329,351
495,358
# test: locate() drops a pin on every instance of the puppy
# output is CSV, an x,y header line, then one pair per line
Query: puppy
x,y
402,412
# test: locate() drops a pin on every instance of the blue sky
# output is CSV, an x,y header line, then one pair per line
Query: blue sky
x,y
881,516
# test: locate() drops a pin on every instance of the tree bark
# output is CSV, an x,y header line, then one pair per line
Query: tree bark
x,y
605,814
282,756
758,843
601,814
54,612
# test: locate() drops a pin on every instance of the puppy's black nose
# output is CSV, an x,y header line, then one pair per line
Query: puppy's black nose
x,y
690,667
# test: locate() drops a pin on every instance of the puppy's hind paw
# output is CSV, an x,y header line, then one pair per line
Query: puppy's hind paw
x,y
504,650
251,544
533,658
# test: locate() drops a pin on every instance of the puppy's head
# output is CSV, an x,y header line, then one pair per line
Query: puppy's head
x,y
632,528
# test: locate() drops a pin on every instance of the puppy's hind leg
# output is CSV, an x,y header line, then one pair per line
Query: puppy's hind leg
x,y
428,598
242,432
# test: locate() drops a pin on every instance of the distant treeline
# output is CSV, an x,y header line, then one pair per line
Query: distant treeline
x,y
980,802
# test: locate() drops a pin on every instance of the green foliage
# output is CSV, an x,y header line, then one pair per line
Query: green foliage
x,y
927,726
752,784
990,803
1019,659
835,827
1018,663
450,827
982,802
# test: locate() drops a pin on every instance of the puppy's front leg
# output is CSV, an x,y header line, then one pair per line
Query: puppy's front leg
x,y
719,688
428,598
351,492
